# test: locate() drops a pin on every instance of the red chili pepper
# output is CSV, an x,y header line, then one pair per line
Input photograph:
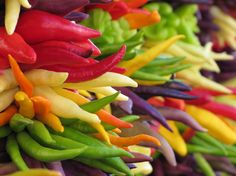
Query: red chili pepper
x,y
88,45
175,103
155,102
204,96
16,46
117,9
89,72
53,56
37,26
135,3
221,109
69,46
118,70
188,134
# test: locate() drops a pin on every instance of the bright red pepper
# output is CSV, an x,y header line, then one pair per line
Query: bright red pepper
x,y
16,46
118,70
53,56
88,45
175,103
37,26
221,109
91,71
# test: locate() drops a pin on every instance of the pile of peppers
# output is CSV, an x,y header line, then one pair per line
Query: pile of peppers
x,y
125,87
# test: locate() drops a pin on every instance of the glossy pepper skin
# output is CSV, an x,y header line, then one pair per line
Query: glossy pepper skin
x,y
18,48
37,26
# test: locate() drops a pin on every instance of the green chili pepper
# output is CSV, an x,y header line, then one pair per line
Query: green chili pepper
x,y
98,104
100,165
206,137
206,150
18,123
91,151
14,152
163,61
203,165
35,150
118,164
129,55
147,76
40,132
4,131
86,128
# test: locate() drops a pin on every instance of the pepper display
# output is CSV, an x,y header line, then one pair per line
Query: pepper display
x,y
58,102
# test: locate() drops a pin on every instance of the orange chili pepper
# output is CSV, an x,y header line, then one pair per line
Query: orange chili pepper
x,y
127,141
188,134
117,130
42,108
6,115
23,82
175,103
141,19
155,101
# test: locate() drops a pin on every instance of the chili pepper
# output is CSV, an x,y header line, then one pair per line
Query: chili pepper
x,y
7,80
40,132
224,134
56,166
107,108
138,62
98,104
180,116
68,46
100,165
95,70
221,109
14,152
203,165
177,85
4,131
64,107
163,61
107,91
93,152
85,128
127,141
7,114
37,22
7,97
150,83
211,140
138,157
37,172
140,18
175,103
102,131
18,48
25,3
18,123
142,107
149,91
24,83
147,76
12,15
32,148
206,150
118,164
134,3
26,105
155,101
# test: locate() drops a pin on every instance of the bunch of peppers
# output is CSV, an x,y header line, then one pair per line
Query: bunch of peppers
x,y
110,98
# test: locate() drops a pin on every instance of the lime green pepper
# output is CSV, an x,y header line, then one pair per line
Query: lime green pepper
x,y
4,131
203,165
18,123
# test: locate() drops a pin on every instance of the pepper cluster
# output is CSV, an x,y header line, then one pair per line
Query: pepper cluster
x,y
104,87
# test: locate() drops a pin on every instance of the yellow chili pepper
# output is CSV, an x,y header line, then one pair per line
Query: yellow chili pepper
x,y
142,59
25,3
64,107
12,8
215,126
7,97
229,122
107,79
108,91
151,83
102,131
26,105
46,78
174,138
85,93
36,172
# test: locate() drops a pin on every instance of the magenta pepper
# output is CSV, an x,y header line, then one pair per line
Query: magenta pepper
x,y
53,56
16,46
37,26
88,72
221,109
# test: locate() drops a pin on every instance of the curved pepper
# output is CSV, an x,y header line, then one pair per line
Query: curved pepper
x,y
26,105
175,139
37,26
216,127
6,115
